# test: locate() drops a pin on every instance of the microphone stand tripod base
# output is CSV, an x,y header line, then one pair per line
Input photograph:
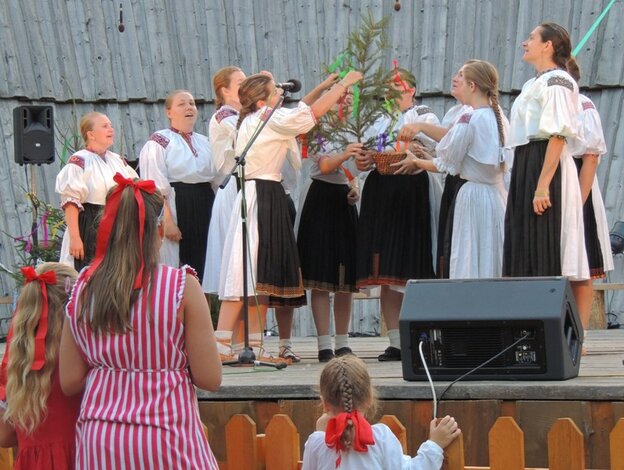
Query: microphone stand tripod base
x,y
248,358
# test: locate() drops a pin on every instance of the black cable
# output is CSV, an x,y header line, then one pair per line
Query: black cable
x,y
481,365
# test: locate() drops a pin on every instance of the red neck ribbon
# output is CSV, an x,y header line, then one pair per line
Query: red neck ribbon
x,y
362,432
187,136
108,219
45,279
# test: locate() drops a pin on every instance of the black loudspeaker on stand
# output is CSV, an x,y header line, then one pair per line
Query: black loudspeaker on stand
x,y
33,134
463,323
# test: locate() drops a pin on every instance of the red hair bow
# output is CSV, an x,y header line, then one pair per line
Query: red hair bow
x,y
45,279
362,432
110,214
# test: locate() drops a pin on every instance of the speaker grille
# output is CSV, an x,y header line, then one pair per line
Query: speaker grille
x,y
469,347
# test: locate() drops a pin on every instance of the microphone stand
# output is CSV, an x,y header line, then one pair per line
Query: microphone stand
x,y
247,356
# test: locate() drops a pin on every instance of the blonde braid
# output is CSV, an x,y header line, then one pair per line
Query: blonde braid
x,y
346,390
499,120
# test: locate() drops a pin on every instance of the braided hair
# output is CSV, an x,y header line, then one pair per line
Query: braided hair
x,y
346,385
485,77
252,90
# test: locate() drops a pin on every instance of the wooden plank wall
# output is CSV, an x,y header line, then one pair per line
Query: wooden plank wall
x,y
70,54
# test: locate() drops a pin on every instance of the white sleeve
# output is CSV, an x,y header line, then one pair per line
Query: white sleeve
x,y
592,132
559,110
292,122
312,450
453,147
71,185
430,456
152,166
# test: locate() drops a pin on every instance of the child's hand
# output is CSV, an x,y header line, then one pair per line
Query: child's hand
x,y
444,431
321,423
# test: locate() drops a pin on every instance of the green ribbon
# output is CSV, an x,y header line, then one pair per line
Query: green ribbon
x,y
582,42
356,100
336,63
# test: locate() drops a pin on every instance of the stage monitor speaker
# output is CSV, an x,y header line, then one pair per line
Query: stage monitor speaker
x,y
34,134
463,323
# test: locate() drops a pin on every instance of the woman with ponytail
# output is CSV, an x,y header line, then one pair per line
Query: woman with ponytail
x,y
544,231
35,415
345,440
473,149
138,337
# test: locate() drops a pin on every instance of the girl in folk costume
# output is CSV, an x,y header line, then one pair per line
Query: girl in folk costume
x,y
138,336
37,416
544,233
597,240
398,216
452,183
222,135
473,148
328,225
345,440
82,185
180,162
274,262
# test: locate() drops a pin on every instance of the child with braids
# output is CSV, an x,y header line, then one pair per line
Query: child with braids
x,y
345,440
473,149
37,416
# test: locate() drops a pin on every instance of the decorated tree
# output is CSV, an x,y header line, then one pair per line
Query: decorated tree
x,y
373,97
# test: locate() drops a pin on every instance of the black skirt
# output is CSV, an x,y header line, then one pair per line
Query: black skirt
x,y
194,208
592,242
452,185
327,238
394,231
88,222
279,269
532,242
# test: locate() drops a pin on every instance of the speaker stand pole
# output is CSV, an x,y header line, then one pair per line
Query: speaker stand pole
x,y
33,196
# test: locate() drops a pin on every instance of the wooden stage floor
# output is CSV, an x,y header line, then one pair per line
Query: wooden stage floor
x,y
601,376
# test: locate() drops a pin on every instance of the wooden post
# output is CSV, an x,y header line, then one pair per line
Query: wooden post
x,y
566,446
616,443
454,455
281,444
6,459
397,429
506,445
240,442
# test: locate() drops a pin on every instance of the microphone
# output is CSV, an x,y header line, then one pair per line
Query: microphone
x,y
121,26
292,85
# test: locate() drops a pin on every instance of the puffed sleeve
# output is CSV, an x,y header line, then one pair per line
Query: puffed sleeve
x,y
391,449
222,137
70,183
152,166
559,103
592,130
453,147
292,122
430,456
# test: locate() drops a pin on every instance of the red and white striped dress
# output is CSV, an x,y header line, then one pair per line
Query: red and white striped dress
x,y
139,408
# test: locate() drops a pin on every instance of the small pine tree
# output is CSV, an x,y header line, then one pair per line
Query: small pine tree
x,y
366,50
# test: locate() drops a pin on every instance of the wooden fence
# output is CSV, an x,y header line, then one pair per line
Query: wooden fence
x,y
278,448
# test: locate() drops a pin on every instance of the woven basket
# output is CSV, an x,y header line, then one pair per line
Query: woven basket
x,y
383,160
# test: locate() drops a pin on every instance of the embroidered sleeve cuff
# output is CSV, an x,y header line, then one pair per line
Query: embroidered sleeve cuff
x,y
71,200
